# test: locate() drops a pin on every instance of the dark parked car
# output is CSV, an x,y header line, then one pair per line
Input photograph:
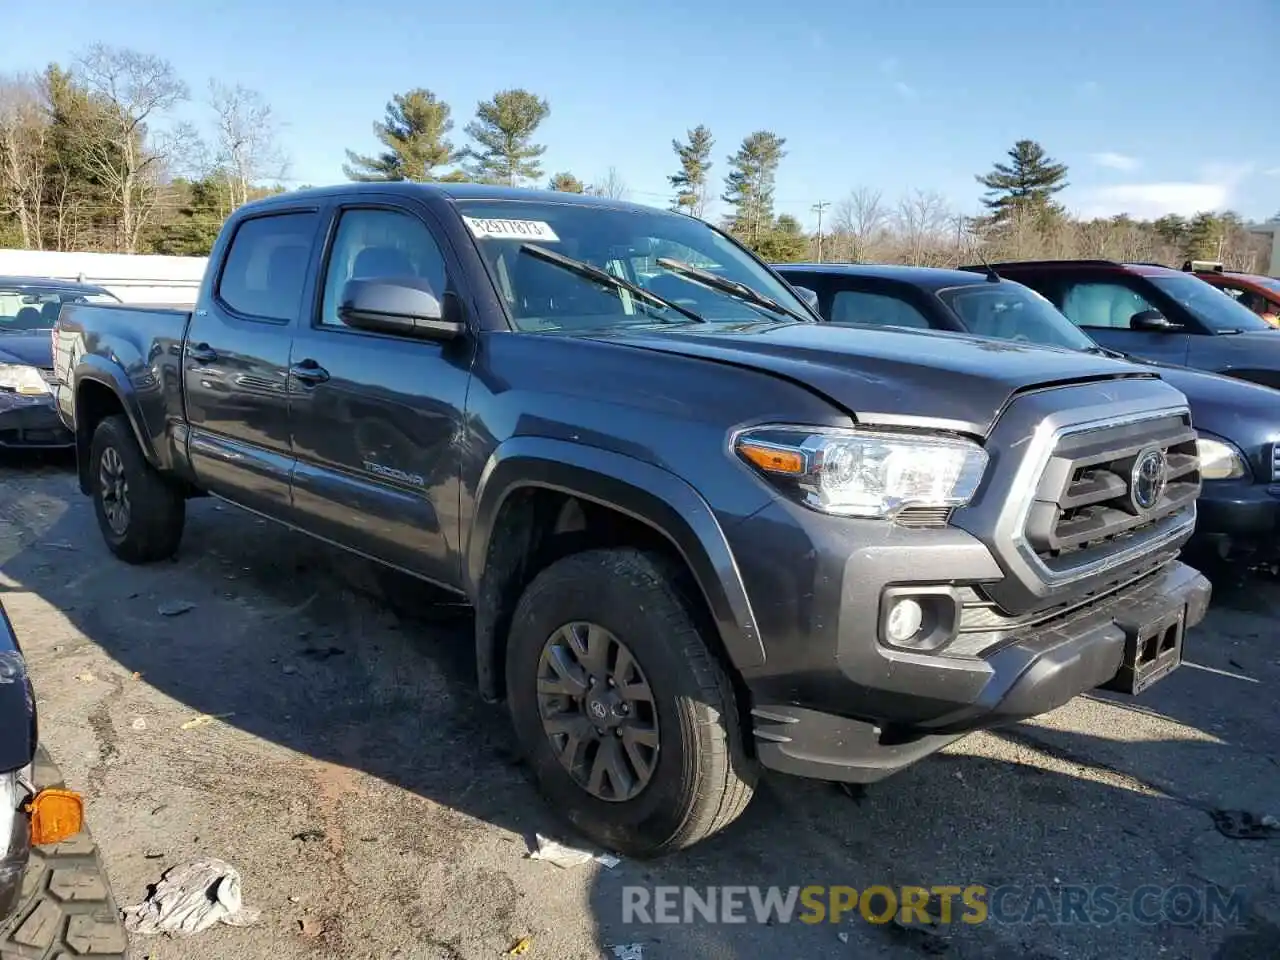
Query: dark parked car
x,y
55,899
29,307
702,530
1238,423
1156,313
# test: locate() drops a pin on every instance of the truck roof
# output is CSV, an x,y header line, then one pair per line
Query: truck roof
x,y
929,278
457,191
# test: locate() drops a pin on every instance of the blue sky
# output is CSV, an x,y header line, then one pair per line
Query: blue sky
x,y
1156,105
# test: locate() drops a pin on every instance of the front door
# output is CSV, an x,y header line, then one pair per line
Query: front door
x,y
378,420
1103,308
236,358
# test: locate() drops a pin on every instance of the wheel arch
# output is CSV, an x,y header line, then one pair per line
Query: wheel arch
x,y
532,487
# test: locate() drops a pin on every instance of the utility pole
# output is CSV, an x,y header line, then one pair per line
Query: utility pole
x,y
818,208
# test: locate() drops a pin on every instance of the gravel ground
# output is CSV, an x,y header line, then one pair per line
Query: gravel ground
x,y
373,807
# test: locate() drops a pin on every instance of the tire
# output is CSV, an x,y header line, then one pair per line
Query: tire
x,y
66,909
156,511
702,778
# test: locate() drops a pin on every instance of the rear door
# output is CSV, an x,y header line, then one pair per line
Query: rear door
x,y
377,419
236,359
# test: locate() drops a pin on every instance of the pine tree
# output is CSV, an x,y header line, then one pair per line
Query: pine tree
x,y
504,129
695,164
749,185
566,182
415,135
1025,185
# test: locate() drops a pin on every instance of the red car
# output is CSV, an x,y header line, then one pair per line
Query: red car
x,y
1260,294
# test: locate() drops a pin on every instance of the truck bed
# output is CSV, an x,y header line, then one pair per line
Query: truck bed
x,y
93,343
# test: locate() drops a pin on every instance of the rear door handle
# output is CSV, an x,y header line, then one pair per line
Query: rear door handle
x,y
202,353
308,371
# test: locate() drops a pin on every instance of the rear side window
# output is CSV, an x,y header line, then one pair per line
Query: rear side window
x,y
266,266
858,306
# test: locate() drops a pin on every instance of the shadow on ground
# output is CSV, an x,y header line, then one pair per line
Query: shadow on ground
x,y
308,649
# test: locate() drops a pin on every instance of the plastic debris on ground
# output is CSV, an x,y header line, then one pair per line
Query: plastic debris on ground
x,y
204,719
520,947
629,951
565,856
192,898
1243,825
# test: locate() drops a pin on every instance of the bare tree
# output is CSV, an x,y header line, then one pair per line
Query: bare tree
x,y
24,135
248,150
862,218
922,221
611,185
134,89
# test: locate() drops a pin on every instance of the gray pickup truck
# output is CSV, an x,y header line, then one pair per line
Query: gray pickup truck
x,y
702,531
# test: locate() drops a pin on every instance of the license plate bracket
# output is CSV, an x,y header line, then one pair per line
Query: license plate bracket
x,y
1151,652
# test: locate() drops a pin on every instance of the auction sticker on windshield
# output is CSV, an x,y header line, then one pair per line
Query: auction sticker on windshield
x,y
511,229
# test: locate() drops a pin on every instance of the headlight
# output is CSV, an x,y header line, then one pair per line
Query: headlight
x,y
17,378
865,473
1219,460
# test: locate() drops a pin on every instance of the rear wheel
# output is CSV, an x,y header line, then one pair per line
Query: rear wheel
x,y
627,718
140,514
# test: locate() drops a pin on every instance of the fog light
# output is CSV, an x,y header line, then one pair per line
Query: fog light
x,y
904,621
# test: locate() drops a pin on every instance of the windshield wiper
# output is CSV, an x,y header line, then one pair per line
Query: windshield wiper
x,y
731,287
604,278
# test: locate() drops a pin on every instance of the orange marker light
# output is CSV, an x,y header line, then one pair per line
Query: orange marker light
x,y
55,816
773,459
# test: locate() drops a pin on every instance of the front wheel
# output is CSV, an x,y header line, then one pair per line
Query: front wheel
x,y
627,718
140,514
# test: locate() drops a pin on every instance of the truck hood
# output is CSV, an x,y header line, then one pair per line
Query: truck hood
x,y
1245,413
887,376
32,349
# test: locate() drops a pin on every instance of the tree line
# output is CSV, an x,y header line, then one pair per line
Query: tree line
x,y
91,158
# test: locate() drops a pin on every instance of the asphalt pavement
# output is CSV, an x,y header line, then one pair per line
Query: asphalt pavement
x,y
272,702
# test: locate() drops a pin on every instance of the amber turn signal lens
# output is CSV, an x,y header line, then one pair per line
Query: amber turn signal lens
x,y
55,816
772,459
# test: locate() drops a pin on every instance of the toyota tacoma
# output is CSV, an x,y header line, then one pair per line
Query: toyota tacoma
x,y
703,532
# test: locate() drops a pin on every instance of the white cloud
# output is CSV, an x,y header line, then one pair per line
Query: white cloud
x,y
1115,161
905,90
1273,172
1151,200
1216,189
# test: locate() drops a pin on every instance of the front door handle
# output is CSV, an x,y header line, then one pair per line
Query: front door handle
x,y
308,371
202,353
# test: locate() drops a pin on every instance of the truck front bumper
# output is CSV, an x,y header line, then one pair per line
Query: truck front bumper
x,y
836,702
1238,520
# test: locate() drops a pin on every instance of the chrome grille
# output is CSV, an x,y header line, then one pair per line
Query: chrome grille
x,y
1275,463
1085,506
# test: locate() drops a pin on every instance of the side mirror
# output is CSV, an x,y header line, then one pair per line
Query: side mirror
x,y
1153,321
406,306
808,296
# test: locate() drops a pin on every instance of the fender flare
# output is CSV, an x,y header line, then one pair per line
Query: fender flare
x,y
95,369
642,491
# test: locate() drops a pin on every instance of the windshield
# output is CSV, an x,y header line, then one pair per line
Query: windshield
x,y
1271,283
29,307
1010,311
1216,310
545,297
